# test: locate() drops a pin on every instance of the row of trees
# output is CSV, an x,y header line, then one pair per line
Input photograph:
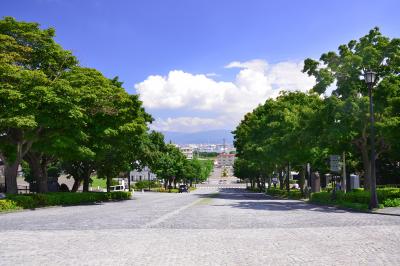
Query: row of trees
x,y
172,166
54,111
298,128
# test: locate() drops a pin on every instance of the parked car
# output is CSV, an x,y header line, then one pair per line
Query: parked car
x,y
118,188
183,188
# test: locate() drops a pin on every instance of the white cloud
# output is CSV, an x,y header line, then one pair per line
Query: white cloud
x,y
188,124
256,65
255,82
212,74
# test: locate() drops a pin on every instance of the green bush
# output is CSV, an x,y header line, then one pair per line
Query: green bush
x,y
358,198
295,194
292,194
391,202
144,184
254,189
8,205
31,201
172,190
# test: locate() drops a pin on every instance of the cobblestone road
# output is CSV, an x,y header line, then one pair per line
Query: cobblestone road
x,y
209,227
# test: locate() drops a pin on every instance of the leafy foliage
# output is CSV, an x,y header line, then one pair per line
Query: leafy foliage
x,y
298,128
31,201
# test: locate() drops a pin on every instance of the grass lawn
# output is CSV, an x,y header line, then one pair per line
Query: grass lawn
x,y
99,182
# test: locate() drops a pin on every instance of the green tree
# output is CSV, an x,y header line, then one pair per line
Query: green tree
x,y
32,96
169,165
343,69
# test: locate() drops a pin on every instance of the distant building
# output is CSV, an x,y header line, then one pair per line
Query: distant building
x,y
187,151
225,160
137,175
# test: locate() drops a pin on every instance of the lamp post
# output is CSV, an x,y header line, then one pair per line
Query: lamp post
x,y
370,77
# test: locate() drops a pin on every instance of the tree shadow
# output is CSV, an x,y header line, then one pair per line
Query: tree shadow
x,y
243,199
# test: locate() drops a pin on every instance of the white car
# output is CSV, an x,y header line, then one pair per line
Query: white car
x,y
118,188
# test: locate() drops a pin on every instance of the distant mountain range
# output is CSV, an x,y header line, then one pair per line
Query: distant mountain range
x,y
200,137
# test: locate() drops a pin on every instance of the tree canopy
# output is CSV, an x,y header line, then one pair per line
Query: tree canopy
x,y
55,112
302,128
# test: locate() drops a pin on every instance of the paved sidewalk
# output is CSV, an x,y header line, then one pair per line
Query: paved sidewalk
x,y
219,226
388,211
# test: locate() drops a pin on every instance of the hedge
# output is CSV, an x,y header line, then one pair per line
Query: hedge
x,y
358,199
32,201
144,184
282,193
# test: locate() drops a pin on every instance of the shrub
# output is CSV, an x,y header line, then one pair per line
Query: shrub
x,y
31,201
8,205
64,188
292,194
172,190
144,184
321,197
358,198
254,189
391,202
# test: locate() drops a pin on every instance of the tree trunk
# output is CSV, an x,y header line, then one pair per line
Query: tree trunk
x,y
86,171
38,165
10,173
108,183
367,167
281,180
263,180
86,178
77,184
288,178
45,179
302,179
361,144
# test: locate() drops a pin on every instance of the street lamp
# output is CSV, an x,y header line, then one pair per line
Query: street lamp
x,y
370,78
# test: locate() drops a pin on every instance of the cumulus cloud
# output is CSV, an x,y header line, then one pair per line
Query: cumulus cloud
x,y
188,124
212,74
255,82
256,65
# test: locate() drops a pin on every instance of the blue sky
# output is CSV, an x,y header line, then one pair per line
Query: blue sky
x,y
202,64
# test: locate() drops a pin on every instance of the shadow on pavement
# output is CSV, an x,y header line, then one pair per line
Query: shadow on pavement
x,y
243,199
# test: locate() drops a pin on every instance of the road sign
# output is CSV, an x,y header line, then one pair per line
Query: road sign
x,y
335,163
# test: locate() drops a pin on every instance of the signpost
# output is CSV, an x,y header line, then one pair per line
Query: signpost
x,y
335,165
